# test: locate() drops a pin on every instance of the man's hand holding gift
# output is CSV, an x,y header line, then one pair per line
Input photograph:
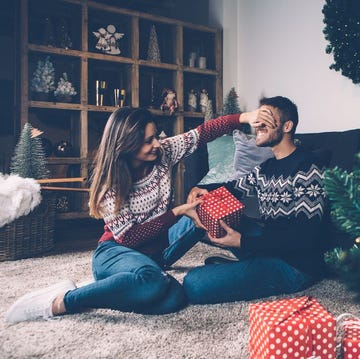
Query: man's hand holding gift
x,y
219,211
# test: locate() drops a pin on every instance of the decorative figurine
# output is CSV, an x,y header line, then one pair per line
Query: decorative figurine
x,y
192,100
204,98
108,40
169,101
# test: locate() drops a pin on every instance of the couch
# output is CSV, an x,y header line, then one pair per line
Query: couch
x,y
229,157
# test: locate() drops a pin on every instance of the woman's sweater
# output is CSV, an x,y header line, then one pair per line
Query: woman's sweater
x,y
143,222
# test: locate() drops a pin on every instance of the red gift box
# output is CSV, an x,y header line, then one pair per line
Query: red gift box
x,y
350,337
219,204
291,328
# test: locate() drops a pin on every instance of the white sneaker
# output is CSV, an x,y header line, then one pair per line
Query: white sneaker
x,y
37,304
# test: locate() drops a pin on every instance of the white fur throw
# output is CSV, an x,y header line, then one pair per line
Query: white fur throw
x,y
18,196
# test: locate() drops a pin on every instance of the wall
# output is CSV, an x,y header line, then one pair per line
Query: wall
x,y
277,48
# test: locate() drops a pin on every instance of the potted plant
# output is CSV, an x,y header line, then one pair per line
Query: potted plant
x,y
65,90
43,79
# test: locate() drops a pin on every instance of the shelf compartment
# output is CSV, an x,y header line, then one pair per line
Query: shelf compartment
x,y
200,43
58,126
116,76
199,82
152,82
68,64
166,34
55,24
121,23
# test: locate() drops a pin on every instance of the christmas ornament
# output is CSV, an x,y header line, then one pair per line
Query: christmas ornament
x,y
63,149
62,204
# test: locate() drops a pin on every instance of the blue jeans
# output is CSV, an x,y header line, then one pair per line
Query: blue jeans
x,y
251,277
128,280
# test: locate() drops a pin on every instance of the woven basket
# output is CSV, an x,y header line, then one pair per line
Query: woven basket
x,y
29,235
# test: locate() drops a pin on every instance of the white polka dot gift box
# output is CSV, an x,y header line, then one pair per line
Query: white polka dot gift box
x,y
297,328
219,204
348,336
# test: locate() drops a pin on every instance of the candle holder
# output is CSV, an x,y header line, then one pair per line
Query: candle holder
x,y
119,97
100,90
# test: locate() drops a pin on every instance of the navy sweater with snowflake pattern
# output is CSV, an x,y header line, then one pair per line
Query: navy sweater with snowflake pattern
x,y
143,222
292,204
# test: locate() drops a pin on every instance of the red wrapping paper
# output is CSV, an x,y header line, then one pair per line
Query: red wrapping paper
x,y
219,204
291,328
351,339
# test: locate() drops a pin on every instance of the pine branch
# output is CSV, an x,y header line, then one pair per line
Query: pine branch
x,y
343,190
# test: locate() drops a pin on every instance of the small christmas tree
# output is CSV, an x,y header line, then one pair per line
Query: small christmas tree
x,y
29,158
231,103
231,106
343,189
153,49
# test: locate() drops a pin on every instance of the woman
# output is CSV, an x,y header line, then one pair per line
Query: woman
x,y
131,190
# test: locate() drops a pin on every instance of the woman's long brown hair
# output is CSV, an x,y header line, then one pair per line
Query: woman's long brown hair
x,y
122,138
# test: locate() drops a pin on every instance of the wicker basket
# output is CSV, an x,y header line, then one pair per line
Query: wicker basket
x,y
29,235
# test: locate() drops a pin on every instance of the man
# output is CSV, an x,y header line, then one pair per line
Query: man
x,y
283,252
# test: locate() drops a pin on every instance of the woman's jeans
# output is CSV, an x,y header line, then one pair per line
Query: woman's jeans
x,y
249,278
128,280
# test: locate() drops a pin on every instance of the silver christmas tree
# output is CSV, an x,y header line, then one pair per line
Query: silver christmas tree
x,y
153,49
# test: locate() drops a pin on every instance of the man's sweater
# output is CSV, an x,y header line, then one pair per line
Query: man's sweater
x,y
143,222
292,205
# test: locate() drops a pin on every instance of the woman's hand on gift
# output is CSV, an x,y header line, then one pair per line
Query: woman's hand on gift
x,y
189,210
231,239
195,193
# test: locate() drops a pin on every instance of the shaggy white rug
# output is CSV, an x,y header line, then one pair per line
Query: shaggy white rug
x,y
210,331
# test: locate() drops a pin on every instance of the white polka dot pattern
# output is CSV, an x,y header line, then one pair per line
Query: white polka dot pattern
x,y
295,328
219,204
351,339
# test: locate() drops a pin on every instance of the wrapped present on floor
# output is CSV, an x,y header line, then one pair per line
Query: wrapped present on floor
x,y
291,328
348,337
219,204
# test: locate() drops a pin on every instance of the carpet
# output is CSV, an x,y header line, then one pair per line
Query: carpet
x,y
209,331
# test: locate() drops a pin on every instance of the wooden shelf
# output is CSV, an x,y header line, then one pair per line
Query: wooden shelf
x,y
81,122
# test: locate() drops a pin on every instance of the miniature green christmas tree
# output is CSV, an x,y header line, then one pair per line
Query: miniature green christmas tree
x,y
231,106
153,49
29,158
231,103
343,189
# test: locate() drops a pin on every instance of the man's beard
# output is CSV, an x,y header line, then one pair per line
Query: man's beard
x,y
275,139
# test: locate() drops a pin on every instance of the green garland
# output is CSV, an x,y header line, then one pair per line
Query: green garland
x,y
342,30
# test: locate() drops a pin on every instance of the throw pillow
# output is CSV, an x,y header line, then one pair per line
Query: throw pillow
x,y
247,155
221,152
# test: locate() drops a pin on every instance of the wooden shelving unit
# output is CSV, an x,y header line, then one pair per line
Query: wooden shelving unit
x,y
81,122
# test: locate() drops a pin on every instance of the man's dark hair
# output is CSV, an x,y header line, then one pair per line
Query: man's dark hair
x,y
288,110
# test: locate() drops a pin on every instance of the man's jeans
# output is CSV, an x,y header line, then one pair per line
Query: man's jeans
x,y
128,280
249,278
